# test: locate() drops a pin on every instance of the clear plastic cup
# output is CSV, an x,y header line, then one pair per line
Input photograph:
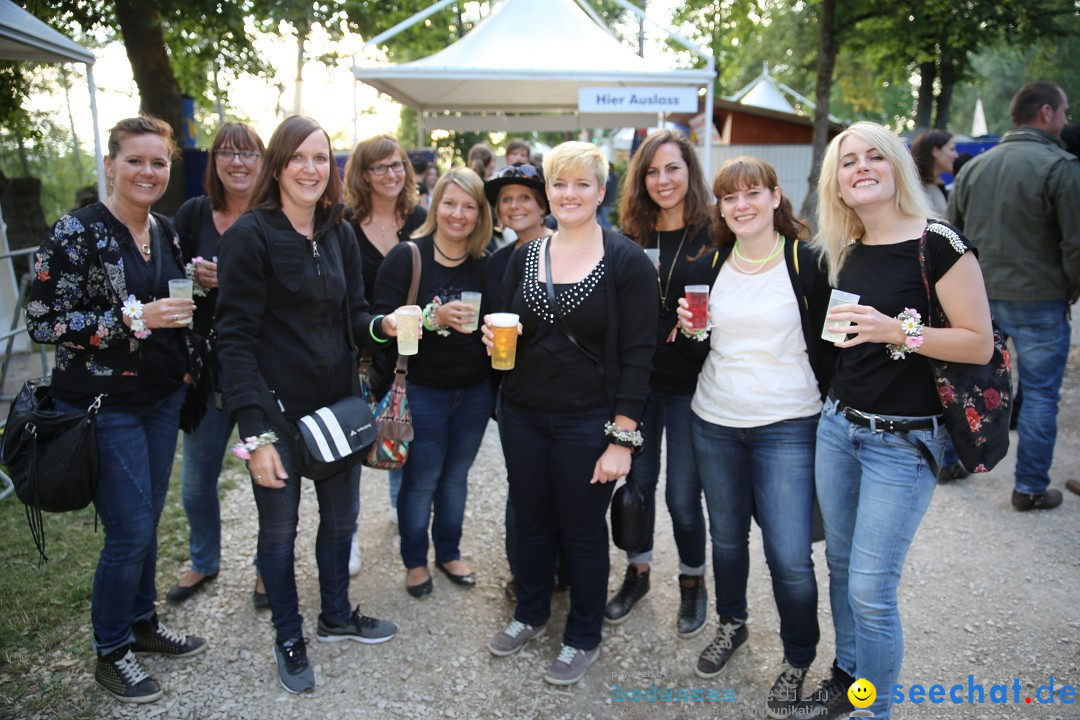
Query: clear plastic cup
x,y
504,344
408,330
697,297
472,299
833,331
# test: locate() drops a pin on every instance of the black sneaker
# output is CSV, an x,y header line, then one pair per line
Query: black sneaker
x,y
153,638
360,628
294,671
1041,501
729,636
830,698
634,587
119,672
693,605
785,696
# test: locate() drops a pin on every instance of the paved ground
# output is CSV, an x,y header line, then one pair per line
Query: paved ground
x,y
987,592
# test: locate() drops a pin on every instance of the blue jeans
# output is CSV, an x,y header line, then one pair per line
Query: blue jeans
x,y
339,502
204,454
394,478
550,460
135,458
772,467
449,426
1040,331
683,492
873,489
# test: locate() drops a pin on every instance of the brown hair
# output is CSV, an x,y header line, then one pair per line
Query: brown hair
x,y
480,156
234,134
638,212
471,183
922,151
288,136
141,125
358,190
1028,100
740,173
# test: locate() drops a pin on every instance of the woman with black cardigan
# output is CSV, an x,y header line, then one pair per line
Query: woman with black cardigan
x,y
289,270
570,408
754,413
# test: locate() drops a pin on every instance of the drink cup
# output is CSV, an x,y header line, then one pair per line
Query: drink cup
x,y
181,289
654,256
834,330
697,297
472,299
504,345
408,330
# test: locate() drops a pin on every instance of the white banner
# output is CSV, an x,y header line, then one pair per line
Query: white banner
x,y
637,99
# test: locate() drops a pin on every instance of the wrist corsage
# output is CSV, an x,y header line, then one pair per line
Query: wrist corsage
x,y
431,322
911,324
695,335
245,446
133,311
197,288
630,439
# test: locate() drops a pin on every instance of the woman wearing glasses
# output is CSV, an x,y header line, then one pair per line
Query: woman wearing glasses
x,y
235,158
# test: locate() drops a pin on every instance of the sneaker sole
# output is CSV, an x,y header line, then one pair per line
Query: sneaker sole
x,y
693,633
574,680
134,700
354,638
707,676
295,692
515,651
618,621
190,653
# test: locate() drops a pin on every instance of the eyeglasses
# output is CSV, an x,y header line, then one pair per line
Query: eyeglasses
x,y
230,155
382,168
521,170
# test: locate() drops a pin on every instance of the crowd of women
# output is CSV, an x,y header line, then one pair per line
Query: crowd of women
x,y
762,417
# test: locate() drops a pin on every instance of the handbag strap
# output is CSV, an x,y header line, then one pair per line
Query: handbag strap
x,y
555,307
401,368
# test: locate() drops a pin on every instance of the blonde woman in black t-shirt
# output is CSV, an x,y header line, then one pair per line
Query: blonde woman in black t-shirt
x,y
883,415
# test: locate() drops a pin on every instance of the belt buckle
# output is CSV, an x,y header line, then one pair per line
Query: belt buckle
x,y
873,420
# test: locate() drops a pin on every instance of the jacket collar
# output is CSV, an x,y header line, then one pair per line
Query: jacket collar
x,y
1026,133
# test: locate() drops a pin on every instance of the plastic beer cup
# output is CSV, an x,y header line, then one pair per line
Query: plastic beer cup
x,y
504,344
408,330
833,331
181,289
472,299
697,297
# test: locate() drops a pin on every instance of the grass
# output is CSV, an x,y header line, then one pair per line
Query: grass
x,y
46,658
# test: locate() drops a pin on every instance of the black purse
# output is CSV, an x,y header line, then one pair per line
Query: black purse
x,y
51,456
631,524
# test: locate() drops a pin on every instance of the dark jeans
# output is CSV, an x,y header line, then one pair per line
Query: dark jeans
x,y
339,503
449,426
683,491
550,460
204,454
772,467
135,450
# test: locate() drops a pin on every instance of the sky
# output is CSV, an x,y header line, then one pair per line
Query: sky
x,y
118,98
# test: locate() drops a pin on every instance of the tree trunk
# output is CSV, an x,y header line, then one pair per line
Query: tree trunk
x,y
944,99
159,92
302,30
925,106
826,62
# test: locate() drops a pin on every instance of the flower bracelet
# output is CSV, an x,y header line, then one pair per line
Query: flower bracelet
x,y
629,439
911,324
245,446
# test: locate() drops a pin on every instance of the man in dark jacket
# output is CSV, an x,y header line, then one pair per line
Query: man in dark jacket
x,y
1019,203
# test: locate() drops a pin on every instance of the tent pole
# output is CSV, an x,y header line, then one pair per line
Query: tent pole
x,y
99,161
420,128
710,64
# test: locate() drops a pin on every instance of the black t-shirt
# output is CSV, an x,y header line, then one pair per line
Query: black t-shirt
x,y
458,360
372,258
551,374
887,277
199,237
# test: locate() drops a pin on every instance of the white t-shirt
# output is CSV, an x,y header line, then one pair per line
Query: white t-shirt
x,y
757,371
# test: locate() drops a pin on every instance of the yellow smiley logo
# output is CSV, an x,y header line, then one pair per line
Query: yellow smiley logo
x,y
862,693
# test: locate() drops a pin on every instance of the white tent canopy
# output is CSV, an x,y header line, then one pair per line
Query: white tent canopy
x,y
527,56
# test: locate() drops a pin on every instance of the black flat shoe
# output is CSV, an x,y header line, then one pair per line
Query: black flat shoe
x,y
260,600
466,580
178,593
422,590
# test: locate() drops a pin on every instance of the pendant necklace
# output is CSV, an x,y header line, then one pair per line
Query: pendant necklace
x,y
736,256
451,259
664,288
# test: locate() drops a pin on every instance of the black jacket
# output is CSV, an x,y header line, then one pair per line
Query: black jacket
x,y
809,279
281,316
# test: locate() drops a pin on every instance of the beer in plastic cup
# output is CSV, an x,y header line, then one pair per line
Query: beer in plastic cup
x,y
180,289
697,297
504,344
833,330
408,330
472,299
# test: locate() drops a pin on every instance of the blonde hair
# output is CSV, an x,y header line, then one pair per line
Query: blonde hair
x,y
573,158
838,223
471,183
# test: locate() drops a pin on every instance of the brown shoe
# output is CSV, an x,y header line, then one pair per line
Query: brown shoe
x,y
1073,485
1041,501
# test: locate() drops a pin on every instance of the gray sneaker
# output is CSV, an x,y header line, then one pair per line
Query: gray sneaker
x,y
571,665
513,638
360,628
295,672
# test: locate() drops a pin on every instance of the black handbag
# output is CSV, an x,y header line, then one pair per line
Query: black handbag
x,y
50,455
631,522
334,437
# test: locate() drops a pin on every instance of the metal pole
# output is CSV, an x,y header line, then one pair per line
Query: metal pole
x,y
710,63
99,159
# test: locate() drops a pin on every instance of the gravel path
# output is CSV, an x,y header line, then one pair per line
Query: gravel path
x,y
986,591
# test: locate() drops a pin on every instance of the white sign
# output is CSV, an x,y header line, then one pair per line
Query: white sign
x,y
637,99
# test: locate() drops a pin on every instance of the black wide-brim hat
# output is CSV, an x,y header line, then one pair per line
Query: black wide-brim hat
x,y
516,174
